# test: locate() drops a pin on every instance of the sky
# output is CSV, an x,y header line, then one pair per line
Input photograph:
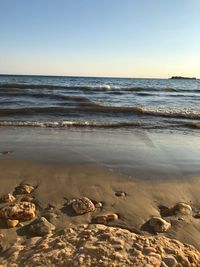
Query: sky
x,y
117,38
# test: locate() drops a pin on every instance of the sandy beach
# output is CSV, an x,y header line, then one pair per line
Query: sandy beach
x,y
133,177
99,133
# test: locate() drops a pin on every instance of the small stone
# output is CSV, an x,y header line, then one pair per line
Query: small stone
x,y
98,205
159,225
182,208
197,215
8,198
18,211
102,219
170,261
24,189
120,194
112,217
12,223
41,227
83,205
6,152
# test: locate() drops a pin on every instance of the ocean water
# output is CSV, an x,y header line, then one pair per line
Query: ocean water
x,y
41,101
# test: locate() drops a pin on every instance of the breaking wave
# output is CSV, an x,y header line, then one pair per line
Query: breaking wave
x,y
90,124
88,107
103,87
63,124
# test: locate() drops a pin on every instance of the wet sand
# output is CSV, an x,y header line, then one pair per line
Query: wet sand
x,y
138,153
152,169
57,184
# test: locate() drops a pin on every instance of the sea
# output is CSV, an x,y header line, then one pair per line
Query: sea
x,y
62,102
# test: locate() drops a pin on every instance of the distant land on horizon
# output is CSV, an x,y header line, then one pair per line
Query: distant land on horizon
x,y
184,78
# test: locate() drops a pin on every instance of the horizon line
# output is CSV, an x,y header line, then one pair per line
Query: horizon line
x,y
86,76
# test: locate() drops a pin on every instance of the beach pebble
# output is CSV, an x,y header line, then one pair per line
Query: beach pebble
x,y
159,225
102,219
179,209
6,152
170,261
120,194
8,198
83,205
112,217
24,189
41,227
197,215
182,208
18,211
105,218
12,223
98,205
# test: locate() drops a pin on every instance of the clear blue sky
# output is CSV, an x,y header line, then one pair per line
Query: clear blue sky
x,y
132,38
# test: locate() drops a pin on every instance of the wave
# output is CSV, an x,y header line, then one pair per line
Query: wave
x,y
45,95
54,86
27,86
91,124
63,124
91,107
103,88
77,98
